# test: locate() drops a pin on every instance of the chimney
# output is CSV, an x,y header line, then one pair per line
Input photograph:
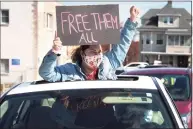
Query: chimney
x,y
170,3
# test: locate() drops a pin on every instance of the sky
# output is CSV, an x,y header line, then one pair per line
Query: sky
x,y
143,6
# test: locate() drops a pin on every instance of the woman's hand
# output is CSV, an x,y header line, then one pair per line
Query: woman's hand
x,y
57,46
134,12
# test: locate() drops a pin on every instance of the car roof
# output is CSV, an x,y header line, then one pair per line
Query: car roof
x,y
98,84
158,70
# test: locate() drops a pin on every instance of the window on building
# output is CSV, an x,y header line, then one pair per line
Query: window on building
x,y
4,66
148,38
49,20
182,41
171,20
142,38
173,40
170,40
165,20
160,39
187,40
4,15
168,20
176,40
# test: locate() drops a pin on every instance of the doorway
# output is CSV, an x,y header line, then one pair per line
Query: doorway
x,y
182,61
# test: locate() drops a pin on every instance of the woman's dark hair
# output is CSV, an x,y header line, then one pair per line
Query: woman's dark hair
x,y
76,53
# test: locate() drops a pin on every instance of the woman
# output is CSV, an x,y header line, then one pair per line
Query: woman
x,y
90,63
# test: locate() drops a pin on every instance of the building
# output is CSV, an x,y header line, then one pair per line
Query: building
x,y
27,33
165,35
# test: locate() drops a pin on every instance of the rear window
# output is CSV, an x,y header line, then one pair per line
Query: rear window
x,y
177,85
103,109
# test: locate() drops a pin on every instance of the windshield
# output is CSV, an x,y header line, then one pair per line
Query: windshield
x,y
101,109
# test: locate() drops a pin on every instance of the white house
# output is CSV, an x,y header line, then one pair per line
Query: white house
x,y
165,35
27,33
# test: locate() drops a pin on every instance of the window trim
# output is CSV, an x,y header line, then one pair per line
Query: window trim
x,y
49,20
1,22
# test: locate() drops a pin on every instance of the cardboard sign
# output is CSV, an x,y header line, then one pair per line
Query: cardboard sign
x,y
88,25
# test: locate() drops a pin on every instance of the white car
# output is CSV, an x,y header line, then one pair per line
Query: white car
x,y
128,102
136,65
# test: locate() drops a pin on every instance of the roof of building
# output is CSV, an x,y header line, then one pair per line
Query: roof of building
x,y
151,17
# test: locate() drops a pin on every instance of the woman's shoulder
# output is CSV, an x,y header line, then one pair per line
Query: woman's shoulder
x,y
68,65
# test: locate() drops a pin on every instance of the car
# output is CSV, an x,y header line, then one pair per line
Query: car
x,y
136,65
178,82
119,71
130,66
99,104
125,69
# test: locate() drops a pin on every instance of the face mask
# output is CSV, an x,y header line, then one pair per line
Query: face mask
x,y
93,61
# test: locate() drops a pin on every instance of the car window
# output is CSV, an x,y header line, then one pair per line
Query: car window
x,y
48,102
133,65
3,108
177,85
75,108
